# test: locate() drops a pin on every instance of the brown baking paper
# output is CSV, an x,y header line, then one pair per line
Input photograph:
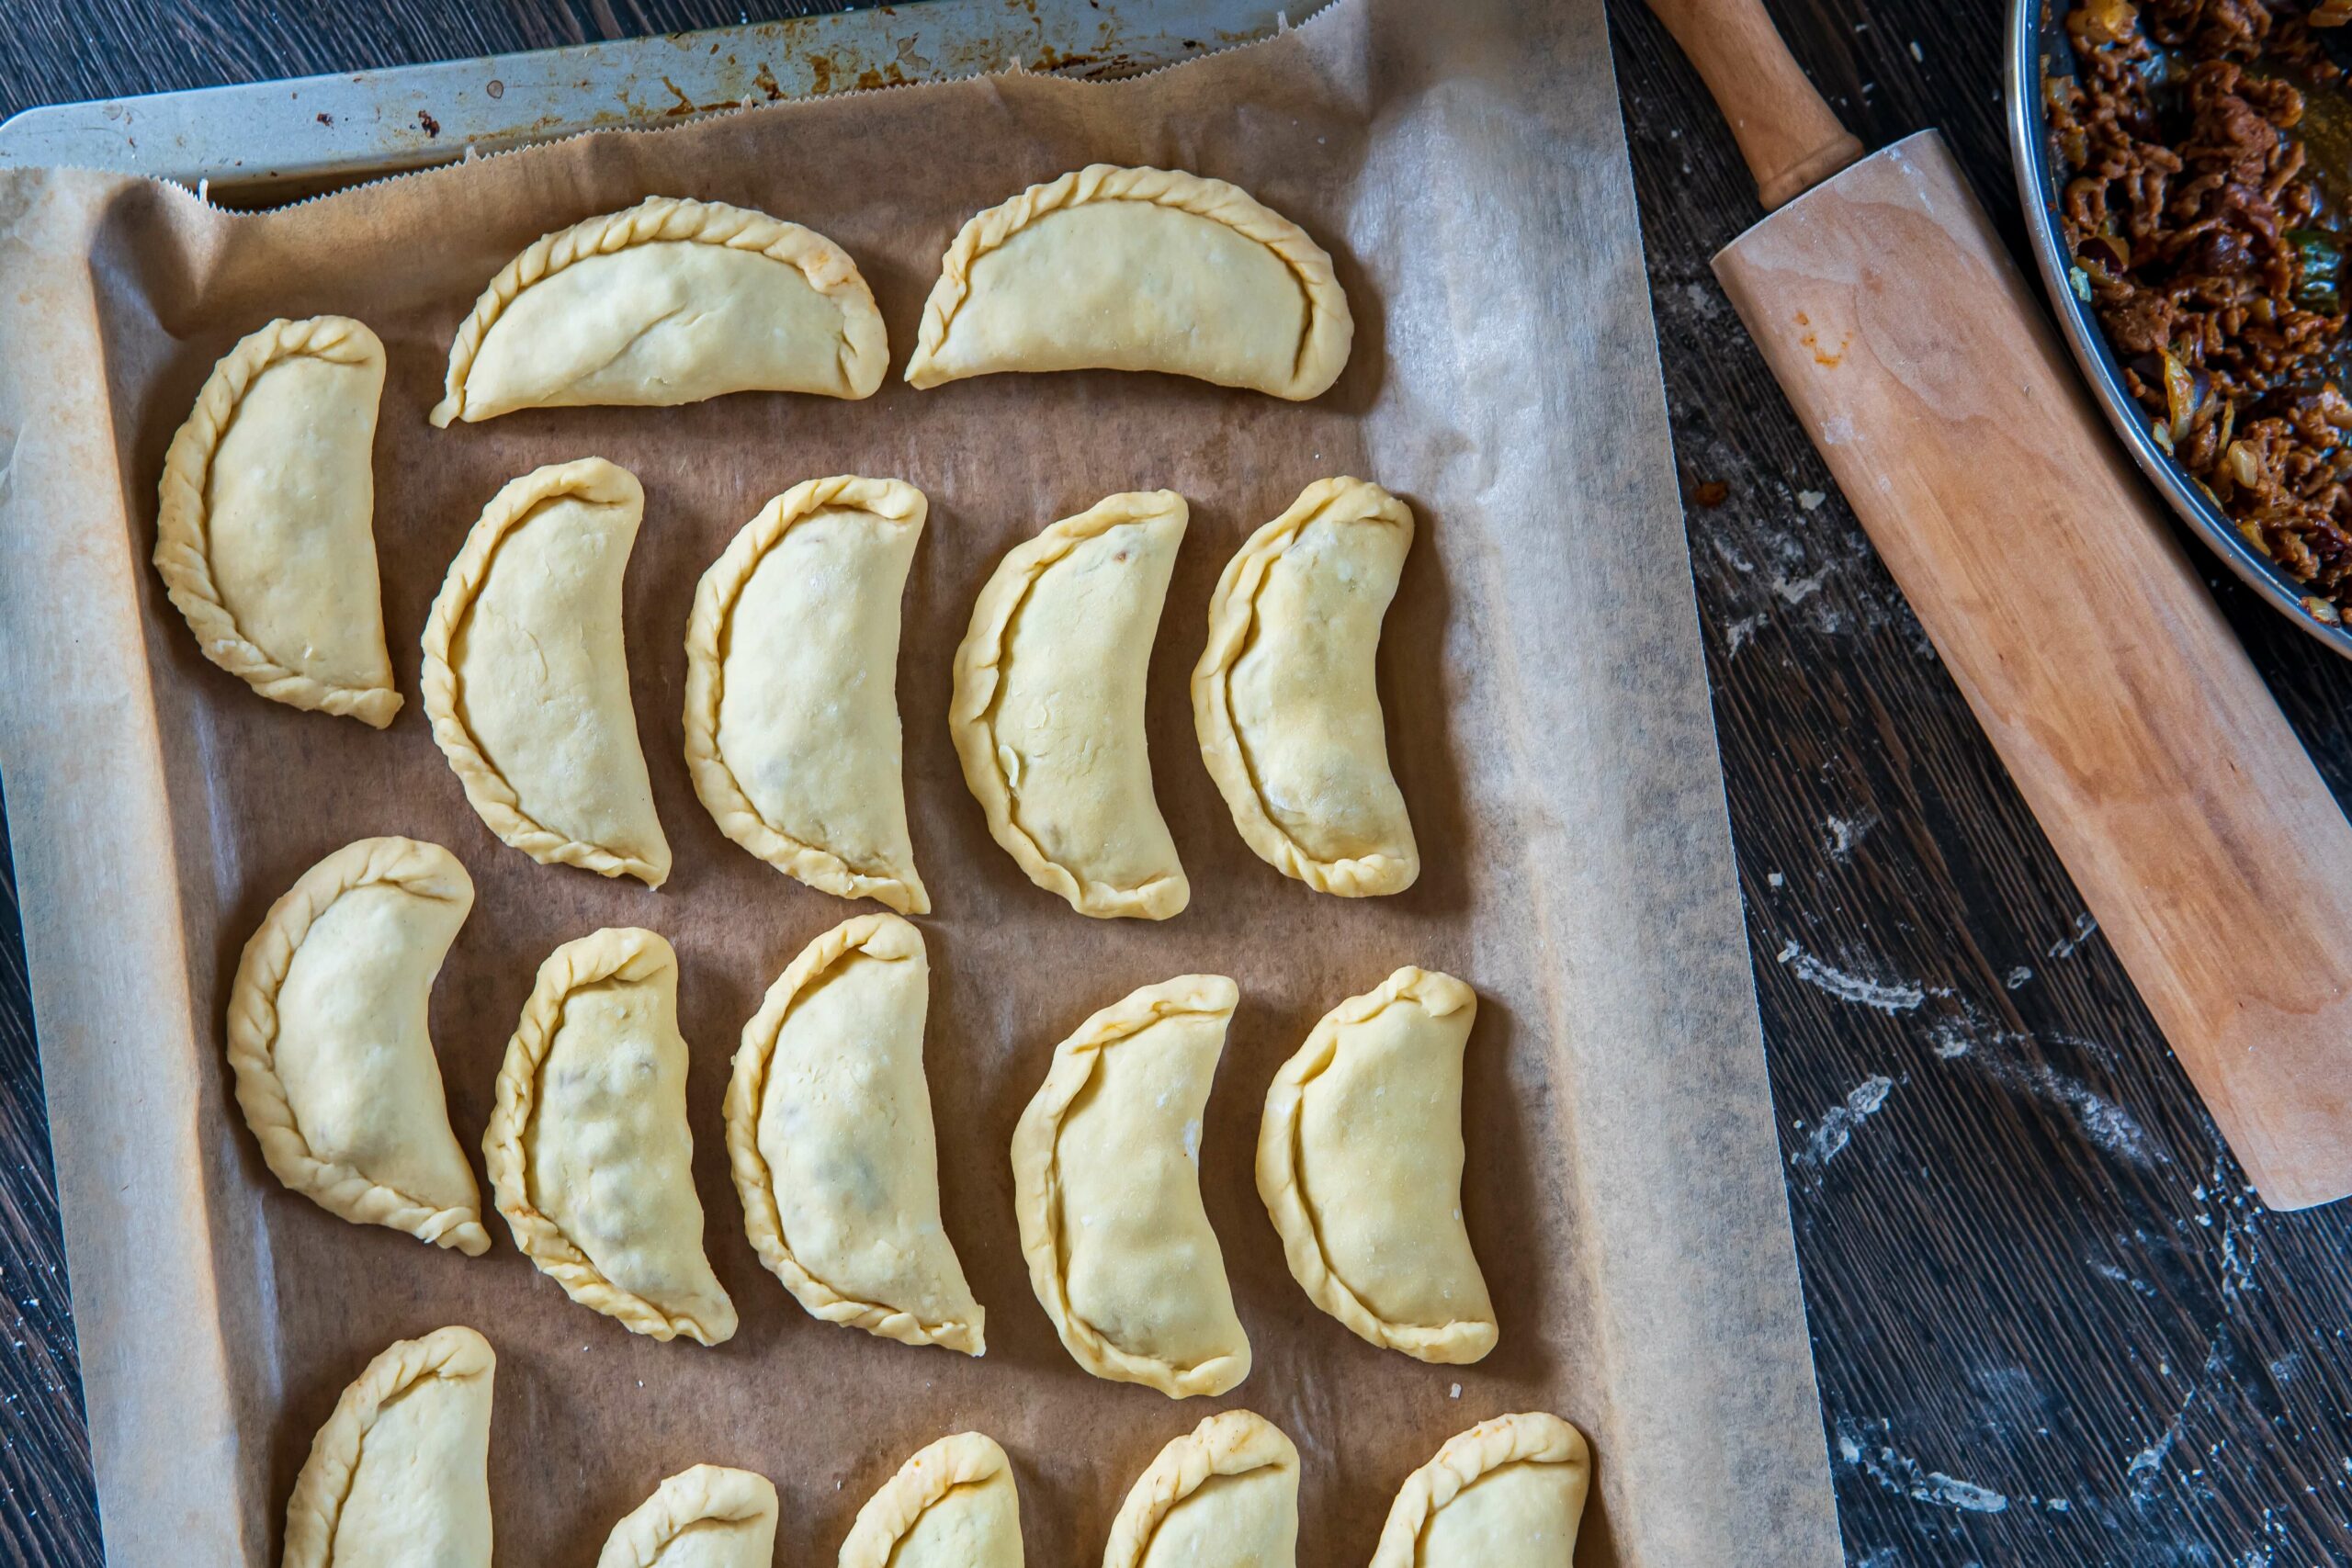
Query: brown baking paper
x,y
1548,719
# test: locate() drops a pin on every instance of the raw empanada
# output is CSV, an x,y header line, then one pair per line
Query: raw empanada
x,y
1048,707
591,1160
1284,696
328,1037
398,1477
526,677
792,706
1360,1164
1223,1496
829,1135
1107,1184
951,1505
266,533
1136,270
708,1517
1506,1493
668,302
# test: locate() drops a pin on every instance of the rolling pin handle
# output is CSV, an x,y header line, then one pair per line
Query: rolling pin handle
x,y
1790,137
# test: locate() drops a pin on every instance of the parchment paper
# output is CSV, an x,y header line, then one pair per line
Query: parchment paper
x,y
1545,701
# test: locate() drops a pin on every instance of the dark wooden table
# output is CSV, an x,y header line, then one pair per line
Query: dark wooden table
x,y
2053,1324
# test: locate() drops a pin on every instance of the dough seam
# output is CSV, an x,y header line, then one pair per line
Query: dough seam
x,y
1234,1442
615,952
964,1458
707,631
882,937
1533,1437
1279,1181
315,1507
827,267
1316,362
1233,624
183,525
971,715
705,1493
1036,1184
500,809
268,959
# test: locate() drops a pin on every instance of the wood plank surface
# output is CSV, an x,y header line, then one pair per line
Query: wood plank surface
x,y
2052,1325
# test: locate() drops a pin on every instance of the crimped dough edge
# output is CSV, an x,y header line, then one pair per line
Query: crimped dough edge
x,y
628,953
592,479
1330,328
1233,614
864,351
977,660
1464,1341
182,525
428,870
881,936
705,1491
722,796
1234,1442
1037,1181
1531,1437
964,1458
315,1507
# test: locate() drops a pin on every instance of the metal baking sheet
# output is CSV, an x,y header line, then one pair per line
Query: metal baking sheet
x,y
263,142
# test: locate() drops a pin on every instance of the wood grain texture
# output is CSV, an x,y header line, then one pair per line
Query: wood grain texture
x,y
2052,1325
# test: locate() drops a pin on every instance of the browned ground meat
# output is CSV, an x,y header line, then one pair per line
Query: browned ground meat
x,y
2207,243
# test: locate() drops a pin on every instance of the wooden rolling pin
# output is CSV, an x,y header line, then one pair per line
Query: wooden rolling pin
x,y
2195,827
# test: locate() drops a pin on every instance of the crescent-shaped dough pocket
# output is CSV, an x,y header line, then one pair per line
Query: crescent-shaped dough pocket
x,y
330,1042
708,1517
1048,707
1507,1493
1107,1184
1223,1496
591,1160
668,302
1136,270
266,533
792,706
951,1505
1284,698
1359,1163
526,675
398,1477
829,1136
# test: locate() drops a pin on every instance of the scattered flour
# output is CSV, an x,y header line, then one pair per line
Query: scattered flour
x,y
1906,1477
1835,1128
1900,996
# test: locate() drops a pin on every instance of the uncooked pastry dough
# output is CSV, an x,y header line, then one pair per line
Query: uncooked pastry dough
x,y
1049,707
1285,700
668,302
398,1477
266,535
829,1136
1224,1496
591,1160
1506,1493
1359,1163
1107,1184
792,707
1136,270
951,1505
526,677
708,1517
328,1038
